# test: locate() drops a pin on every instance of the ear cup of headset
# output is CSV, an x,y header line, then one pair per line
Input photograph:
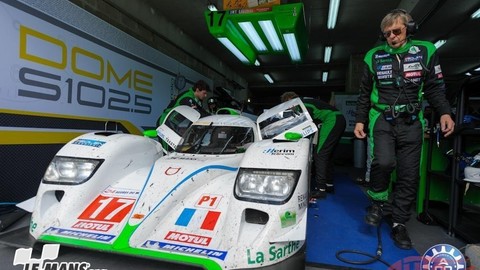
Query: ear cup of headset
x,y
412,28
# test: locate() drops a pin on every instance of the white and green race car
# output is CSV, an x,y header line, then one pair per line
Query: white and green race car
x,y
232,195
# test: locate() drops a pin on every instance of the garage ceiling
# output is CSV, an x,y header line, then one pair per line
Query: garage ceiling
x,y
355,33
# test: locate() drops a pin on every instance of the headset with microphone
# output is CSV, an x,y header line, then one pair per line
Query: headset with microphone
x,y
411,25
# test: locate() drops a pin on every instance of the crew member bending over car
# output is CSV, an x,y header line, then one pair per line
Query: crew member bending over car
x,y
330,132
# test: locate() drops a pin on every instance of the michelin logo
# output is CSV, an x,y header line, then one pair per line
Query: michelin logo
x,y
23,256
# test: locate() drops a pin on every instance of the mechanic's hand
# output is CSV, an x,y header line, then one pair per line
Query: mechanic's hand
x,y
359,130
446,124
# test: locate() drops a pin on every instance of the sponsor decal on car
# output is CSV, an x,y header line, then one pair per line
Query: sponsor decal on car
x,y
187,238
302,201
87,142
194,250
199,218
275,252
94,226
279,152
114,191
288,218
80,234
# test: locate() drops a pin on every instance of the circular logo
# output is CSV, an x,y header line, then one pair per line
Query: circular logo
x,y
443,256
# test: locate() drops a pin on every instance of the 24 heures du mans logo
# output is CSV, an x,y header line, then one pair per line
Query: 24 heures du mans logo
x,y
23,256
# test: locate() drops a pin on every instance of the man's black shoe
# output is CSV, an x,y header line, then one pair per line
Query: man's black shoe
x,y
374,214
400,237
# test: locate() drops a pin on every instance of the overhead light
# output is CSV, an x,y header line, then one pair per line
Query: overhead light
x,y
440,43
292,46
477,69
333,13
272,37
212,7
274,30
227,43
328,54
257,63
325,76
248,29
468,74
268,78
476,14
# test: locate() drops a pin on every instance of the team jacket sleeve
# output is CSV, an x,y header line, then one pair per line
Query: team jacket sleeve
x,y
363,102
202,111
434,87
188,101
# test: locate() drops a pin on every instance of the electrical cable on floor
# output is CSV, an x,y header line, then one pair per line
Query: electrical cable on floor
x,y
373,258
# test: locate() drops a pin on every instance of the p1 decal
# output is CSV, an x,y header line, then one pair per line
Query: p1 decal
x,y
210,201
111,209
202,219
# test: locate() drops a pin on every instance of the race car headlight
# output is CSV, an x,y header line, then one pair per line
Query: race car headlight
x,y
70,171
265,186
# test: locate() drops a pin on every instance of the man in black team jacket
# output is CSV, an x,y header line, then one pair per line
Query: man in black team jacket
x,y
396,77
333,126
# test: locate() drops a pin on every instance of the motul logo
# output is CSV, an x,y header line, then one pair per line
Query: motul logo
x,y
188,238
94,226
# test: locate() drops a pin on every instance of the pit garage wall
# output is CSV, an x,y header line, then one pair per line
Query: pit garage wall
x,y
64,72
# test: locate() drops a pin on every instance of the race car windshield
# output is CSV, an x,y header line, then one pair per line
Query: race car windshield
x,y
214,140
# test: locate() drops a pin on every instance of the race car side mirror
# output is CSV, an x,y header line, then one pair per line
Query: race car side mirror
x,y
151,133
293,136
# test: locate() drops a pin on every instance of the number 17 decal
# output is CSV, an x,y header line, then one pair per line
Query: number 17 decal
x,y
109,209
